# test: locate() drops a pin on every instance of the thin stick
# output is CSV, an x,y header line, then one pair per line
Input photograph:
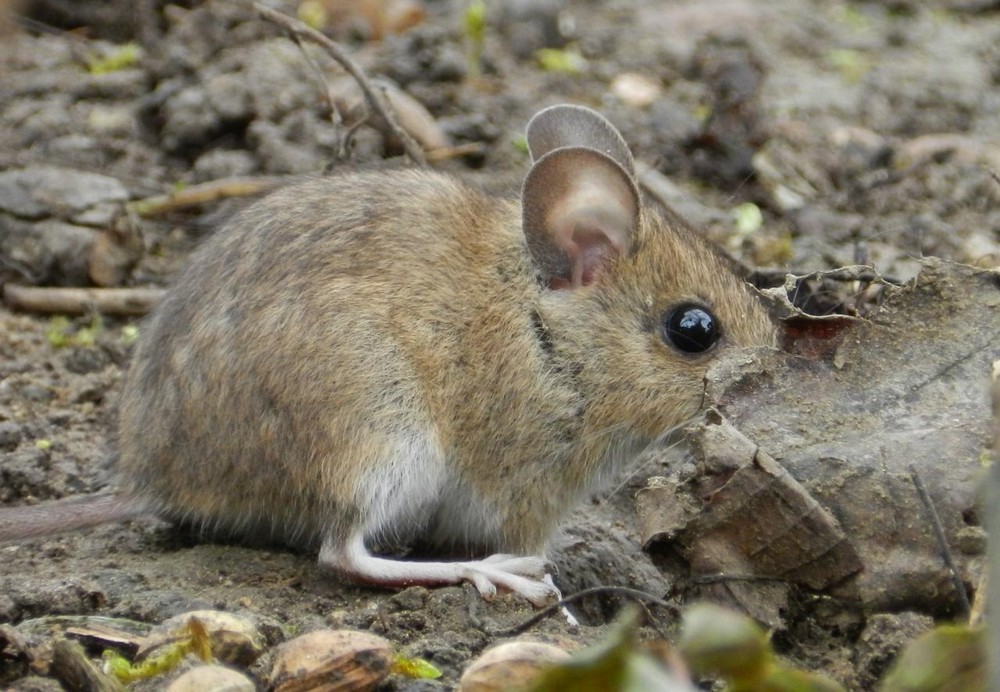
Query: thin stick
x,y
640,597
333,113
204,193
843,274
318,71
444,153
79,301
959,587
374,97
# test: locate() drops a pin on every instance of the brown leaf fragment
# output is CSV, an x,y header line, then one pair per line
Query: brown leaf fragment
x,y
76,672
743,520
373,18
908,388
101,636
15,652
413,117
664,510
114,254
791,536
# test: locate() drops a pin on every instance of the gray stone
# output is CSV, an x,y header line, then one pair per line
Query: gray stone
x,y
38,192
229,95
224,163
10,435
100,215
189,119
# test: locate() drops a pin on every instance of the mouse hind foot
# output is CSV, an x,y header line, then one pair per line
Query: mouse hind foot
x,y
527,576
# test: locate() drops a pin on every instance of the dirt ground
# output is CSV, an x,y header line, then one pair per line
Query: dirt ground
x,y
863,132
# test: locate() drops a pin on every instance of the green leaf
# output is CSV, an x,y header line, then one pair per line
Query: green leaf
x,y
781,679
747,218
612,664
475,21
474,26
130,333
852,64
125,56
57,331
313,14
555,60
416,668
717,641
163,661
949,658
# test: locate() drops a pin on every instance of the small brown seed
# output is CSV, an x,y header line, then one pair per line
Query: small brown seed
x,y
212,679
233,639
331,660
511,665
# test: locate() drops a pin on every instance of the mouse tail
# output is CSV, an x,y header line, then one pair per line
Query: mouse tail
x,y
70,514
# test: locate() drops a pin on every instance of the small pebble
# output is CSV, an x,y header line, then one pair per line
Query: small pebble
x,y
212,679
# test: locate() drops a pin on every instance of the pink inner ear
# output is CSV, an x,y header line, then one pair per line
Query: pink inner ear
x,y
590,251
580,210
591,235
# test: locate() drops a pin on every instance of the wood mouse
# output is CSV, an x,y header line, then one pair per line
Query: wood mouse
x,y
385,356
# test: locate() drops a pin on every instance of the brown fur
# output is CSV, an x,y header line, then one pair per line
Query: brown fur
x,y
340,315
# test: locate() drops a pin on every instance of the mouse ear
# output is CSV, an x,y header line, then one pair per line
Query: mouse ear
x,y
580,209
576,126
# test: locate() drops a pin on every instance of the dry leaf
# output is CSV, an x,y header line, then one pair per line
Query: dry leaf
x,y
908,389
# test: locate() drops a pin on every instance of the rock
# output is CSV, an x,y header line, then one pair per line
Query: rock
x,y
883,638
11,434
43,191
188,119
66,205
636,90
229,94
528,25
85,360
113,255
224,163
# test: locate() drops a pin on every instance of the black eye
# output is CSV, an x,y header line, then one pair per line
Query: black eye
x,y
691,328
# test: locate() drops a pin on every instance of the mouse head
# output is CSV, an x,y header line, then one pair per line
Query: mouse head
x,y
641,302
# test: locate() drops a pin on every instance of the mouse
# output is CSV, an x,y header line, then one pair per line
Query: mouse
x,y
383,357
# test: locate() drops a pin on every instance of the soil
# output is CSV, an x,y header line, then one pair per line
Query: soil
x,y
863,132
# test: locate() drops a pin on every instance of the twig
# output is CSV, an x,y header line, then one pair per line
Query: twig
x,y
852,273
318,71
640,597
336,117
444,153
203,193
374,98
79,301
963,596
725,578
